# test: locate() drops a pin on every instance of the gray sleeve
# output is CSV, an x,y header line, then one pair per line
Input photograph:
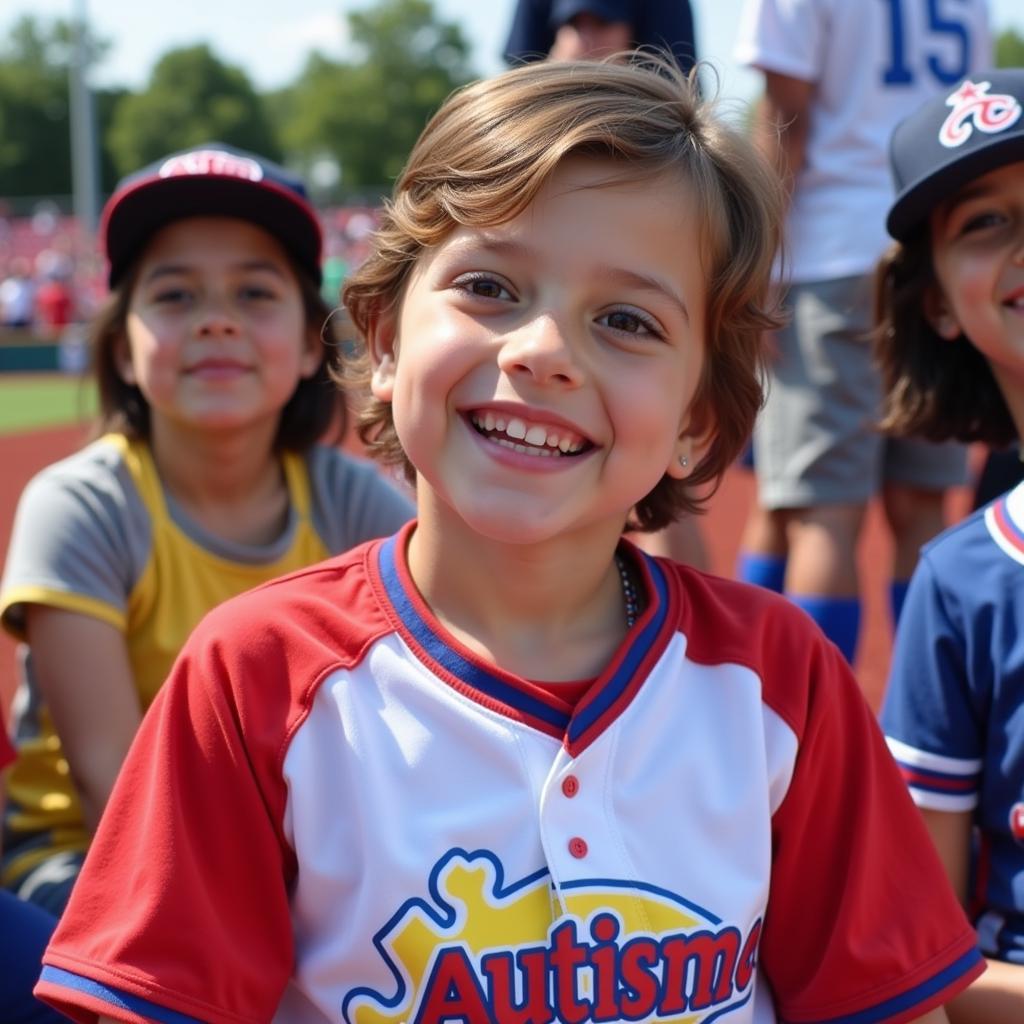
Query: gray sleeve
x,y
79,541
353,501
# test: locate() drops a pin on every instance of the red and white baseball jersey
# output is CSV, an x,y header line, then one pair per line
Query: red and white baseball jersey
x,y
334,812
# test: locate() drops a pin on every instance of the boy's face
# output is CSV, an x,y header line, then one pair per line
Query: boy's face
x,y
978,254
541,371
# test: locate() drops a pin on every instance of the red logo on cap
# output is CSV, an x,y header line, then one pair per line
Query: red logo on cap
x,y
972,103
212,161
1017,822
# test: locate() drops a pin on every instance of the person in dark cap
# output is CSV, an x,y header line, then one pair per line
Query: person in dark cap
x,y
592,29
951,347
208,478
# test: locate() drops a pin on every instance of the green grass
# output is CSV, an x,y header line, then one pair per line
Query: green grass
x,y
31,402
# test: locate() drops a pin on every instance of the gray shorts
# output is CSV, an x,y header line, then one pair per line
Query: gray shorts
x,y
815,441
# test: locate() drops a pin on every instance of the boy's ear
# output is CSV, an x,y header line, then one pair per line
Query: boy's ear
x,y
381,337
691,445
939,315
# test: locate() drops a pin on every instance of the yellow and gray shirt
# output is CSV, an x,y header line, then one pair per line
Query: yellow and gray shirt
x,y
96,533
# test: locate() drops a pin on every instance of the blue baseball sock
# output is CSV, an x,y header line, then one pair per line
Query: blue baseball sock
x,y
897,595
839,618
768,571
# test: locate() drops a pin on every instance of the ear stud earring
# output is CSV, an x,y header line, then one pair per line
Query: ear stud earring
x,y
683,461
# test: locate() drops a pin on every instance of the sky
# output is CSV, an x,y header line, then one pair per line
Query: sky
x,y
270,38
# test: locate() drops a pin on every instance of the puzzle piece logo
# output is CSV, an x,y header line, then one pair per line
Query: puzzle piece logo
x,y
481,951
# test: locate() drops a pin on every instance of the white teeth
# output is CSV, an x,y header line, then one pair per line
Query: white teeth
x,y
537,439
516,428
540,452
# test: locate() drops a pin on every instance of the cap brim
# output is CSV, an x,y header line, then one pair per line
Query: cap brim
x,y
148,205
914,205
565,10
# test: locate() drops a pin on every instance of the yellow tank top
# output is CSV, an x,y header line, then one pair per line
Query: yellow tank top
x,y
180,582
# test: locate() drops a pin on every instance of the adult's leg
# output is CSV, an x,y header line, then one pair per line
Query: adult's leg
x,y
821,576
817,456
917,476
764,549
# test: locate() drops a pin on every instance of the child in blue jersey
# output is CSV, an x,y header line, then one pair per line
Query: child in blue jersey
x,y
211,364
951,347
502,766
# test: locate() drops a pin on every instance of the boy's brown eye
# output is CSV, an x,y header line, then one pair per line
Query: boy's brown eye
x,y
628,322
486,288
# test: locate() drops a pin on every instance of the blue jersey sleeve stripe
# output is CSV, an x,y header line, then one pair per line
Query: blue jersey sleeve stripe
x,y
913,997
115,997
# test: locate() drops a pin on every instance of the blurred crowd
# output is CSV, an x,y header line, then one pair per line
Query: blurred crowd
x,y
52,275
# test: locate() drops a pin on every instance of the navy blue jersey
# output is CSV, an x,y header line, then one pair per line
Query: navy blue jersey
x,y
954,711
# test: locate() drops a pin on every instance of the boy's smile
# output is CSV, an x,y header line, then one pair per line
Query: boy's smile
x,y
512,428
541,371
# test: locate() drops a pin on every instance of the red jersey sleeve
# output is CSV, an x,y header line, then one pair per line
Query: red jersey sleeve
x,y
181,911
887,940
7,752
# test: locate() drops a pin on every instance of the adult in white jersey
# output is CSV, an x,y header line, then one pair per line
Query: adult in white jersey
x,y
839,75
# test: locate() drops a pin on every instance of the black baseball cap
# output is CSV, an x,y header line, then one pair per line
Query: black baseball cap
x,y
952,139
211,180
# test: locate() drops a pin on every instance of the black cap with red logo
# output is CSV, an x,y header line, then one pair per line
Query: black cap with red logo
x,y
952,139
211,180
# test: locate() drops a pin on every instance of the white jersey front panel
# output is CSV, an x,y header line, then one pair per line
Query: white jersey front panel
x,y
503,851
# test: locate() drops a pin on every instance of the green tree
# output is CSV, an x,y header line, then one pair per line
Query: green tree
x,y
192,97
366,112
35,145
1009,49
34,135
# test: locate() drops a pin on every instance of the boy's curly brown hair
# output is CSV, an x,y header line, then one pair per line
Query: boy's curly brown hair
x,y
485,155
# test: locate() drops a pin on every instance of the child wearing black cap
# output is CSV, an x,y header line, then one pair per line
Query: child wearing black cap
x,y
211,363
951,348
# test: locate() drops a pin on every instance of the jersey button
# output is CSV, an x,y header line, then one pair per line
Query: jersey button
x,y
570,786
578,847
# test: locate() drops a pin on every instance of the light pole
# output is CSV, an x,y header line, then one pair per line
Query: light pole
x,y
84,162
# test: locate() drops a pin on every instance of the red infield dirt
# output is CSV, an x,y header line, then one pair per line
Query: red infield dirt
x,y
21,455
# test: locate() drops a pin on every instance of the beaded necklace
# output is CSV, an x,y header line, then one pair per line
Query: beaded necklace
x,y
629,595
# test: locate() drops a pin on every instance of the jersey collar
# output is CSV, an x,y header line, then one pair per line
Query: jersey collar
x,y
508,694
1005,521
